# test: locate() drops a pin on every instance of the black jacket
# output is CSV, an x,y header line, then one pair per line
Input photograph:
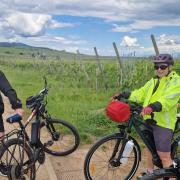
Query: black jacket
x,y
8,91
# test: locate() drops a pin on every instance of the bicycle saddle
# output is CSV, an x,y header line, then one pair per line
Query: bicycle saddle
x,y
14,118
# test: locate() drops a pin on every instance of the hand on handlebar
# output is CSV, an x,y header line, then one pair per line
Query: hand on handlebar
x,y
146,111
119,96
115,97
18,111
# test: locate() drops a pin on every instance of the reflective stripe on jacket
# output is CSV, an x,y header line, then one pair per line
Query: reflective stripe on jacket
x,y
167,93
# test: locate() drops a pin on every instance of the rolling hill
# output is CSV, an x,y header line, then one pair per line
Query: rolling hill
x,y
24,51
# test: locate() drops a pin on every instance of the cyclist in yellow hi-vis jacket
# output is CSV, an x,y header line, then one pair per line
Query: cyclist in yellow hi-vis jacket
x,y
160,96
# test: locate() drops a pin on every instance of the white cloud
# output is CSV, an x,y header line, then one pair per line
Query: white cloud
x,y
55,24
169,44
20,18
139,14
129,42
170,40
145,24
28,24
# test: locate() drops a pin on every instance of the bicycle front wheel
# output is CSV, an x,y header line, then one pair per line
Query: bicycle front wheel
x,y
16,160
99,163
60,137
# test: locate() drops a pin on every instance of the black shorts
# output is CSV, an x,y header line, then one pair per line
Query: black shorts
x,y
162,138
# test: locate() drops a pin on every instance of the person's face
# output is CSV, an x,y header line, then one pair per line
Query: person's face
x,y
161,69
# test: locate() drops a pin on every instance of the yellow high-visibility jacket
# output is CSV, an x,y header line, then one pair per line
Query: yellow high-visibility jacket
x,y
167,93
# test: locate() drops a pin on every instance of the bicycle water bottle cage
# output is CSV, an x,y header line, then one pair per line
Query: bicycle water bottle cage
x,y
31,102
14,119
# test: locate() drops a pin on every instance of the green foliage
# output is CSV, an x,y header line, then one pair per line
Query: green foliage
x,y
73,97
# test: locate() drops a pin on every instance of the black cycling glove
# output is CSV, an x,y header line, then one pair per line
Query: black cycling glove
x,y
124,95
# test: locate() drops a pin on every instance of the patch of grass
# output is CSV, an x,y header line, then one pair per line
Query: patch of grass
x,y
70,96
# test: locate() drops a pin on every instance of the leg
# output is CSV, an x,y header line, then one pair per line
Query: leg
x,y
165,158
163,137
149,163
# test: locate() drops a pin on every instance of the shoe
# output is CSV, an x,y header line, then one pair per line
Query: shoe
x,y
159,173
3,169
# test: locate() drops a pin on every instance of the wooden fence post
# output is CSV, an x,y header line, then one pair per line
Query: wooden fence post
x,y
120,64
83,66
98,60
100,68
154,44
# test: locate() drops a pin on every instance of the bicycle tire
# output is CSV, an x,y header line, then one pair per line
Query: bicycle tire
x,y
67,142
90,167
175,149
10,156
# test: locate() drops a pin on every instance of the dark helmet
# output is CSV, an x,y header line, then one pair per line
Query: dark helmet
x,y
164,58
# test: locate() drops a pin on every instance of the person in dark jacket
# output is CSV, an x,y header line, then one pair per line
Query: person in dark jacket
x,y
7,90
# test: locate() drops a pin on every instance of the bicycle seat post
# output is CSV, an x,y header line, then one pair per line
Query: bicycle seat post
x,y
21,125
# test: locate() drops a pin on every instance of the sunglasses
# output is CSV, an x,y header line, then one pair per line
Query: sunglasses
x,y
162,67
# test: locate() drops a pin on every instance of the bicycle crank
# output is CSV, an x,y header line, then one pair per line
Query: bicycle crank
x,y
40,156
15,172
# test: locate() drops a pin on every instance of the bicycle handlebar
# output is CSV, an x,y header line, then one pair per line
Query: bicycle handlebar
x,y
134,107
32,101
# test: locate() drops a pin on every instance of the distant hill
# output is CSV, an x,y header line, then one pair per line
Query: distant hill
x,y
18,50
11,44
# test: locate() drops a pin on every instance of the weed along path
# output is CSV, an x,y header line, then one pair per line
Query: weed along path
x,y
68,167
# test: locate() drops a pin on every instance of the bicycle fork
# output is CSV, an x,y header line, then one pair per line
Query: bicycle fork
x,y
115,162
55,135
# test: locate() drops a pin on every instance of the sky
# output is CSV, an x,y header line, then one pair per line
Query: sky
x,y
73,25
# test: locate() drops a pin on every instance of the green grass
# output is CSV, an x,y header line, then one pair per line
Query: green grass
x,y
70,96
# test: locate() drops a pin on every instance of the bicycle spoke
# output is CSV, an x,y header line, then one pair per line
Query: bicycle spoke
x,y
102,161
16,158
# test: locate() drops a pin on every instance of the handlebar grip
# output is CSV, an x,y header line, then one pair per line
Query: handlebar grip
x,y
152,115
14,118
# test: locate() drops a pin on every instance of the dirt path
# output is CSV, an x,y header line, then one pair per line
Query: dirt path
x,y
59,168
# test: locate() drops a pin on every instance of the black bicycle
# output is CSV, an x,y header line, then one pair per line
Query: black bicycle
x,y
20,151
107,159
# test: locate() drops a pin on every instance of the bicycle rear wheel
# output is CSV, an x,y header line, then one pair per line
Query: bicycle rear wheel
x,y
99,165
175,149
17,160
60,137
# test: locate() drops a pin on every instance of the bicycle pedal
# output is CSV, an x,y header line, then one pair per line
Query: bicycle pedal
x,y
48,143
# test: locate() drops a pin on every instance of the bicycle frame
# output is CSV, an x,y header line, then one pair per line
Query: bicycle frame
x,y
125,131
32,145
149,144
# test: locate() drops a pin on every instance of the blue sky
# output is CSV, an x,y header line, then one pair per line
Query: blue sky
x,y
76,24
